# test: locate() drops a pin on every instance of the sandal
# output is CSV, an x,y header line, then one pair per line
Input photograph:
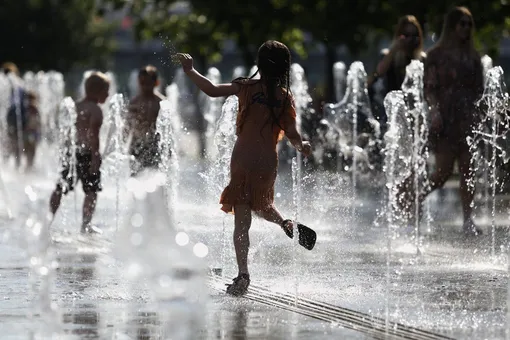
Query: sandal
x,y
307,236
240,285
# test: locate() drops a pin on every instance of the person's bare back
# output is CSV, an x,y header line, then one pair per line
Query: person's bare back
x,y
143,114
88,124
87,156
141,120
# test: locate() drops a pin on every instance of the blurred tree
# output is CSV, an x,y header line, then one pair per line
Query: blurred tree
x,y
187,31
250,23
203,28
341,22
354,24
48,34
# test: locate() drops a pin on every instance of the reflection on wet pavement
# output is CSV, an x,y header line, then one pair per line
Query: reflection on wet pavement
x,y
454,288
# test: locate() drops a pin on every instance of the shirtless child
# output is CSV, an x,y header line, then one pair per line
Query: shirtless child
x,y
141,121
88,158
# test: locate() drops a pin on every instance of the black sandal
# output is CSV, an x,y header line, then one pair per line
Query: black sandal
x,y
307,236
240,285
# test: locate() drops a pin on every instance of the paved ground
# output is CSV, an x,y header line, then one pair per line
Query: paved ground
x,y
350,286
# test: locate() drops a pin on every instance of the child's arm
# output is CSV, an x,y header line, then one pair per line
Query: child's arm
x,y
205,85
290,128
96,120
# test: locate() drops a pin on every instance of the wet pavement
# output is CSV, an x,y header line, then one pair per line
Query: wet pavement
x,y
349,287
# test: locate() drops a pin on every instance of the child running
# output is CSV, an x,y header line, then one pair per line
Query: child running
x,y
88,159
266,112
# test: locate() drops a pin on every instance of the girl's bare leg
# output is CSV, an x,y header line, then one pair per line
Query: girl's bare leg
x,y
271,215
444,168
241,236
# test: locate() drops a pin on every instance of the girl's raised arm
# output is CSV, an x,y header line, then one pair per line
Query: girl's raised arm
x,y
204,84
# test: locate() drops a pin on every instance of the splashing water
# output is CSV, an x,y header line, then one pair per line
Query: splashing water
x,y
398,151
296,198
15,86
491,132
169,156
67,142
211,107
239,71
49,88
299,88
218,176
417,112
339,70
5,93
153,254
302,103
487,65
44,314
115,147
172,96
397,169
224,139
344,117
406,150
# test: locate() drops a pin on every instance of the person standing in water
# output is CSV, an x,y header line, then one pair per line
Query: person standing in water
x,y
88,158
453,83
391,70
141,122
266,113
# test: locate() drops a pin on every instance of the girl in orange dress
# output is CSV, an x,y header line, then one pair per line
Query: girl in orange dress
x,y
266,112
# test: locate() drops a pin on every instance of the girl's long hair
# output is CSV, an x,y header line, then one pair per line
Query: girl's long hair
x,y
449,35
411,20
273,63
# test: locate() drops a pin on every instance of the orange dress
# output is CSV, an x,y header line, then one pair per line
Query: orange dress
x,y
254,161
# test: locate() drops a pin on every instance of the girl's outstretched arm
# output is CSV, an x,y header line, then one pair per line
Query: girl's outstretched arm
x,y
204,84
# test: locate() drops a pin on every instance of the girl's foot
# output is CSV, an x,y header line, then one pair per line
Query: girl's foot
x,y
240,285
307,236
91,229
288,228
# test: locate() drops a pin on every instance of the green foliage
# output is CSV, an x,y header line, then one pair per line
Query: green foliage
x,y
49,34
355,24
192,33
250,23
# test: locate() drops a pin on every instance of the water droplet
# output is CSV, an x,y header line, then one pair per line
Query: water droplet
x,y
182,238
200,250
44,271
134,269
137,220
136,239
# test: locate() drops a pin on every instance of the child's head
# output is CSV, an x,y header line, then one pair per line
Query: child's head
x,y
9,67
273,62
97,86
148,79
